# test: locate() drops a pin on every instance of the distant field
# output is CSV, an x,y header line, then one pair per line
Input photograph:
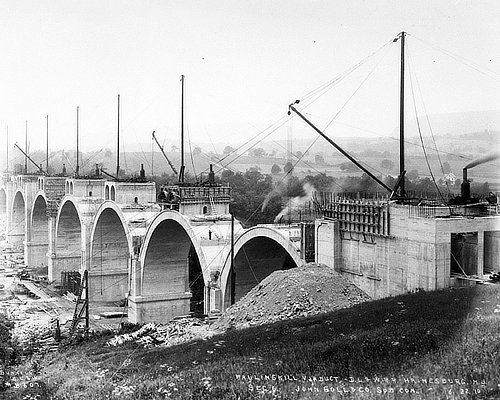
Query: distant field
x,y
439,345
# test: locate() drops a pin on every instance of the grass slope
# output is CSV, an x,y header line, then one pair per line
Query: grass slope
x,y
439,345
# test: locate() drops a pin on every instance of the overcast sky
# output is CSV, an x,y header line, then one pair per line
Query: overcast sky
x,y
244,62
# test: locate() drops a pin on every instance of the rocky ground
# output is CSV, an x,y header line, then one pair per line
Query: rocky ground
x,y
164,335
295,293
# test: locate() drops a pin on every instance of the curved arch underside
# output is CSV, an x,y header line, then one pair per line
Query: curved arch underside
x,y
68,243
18,228
256,259
3,211
172,267
39,241
3,203
108,277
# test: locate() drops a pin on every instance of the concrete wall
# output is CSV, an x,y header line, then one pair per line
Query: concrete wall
x,y
383,265
204,208
416,255
491,251
130,192
85,187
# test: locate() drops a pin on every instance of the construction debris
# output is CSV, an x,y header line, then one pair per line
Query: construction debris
x,y
165,335
294,293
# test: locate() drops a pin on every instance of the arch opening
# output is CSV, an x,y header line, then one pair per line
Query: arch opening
x,y
172,267
3,203
110,254
254,261
106,193
113,193
18,227
3,211
39,242
68,243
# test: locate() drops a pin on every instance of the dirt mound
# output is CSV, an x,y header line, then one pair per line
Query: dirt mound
x,y
294,293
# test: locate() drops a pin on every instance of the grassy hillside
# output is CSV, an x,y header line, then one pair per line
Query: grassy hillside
x,y
421,346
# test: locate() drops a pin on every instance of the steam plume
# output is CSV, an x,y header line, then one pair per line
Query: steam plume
x,y
278,190
486,158
297,202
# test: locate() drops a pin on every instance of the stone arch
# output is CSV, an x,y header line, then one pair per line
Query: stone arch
x,y
257,253
18,226
3,202
68,238
39,240
174,266
110,251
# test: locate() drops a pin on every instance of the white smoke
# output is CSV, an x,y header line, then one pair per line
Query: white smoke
x,y
297,202
279,190
486,158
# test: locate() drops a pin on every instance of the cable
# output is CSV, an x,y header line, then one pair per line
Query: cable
x,y
340,110
327,86
421,138
429,123
309,96
471,64
248,262
191,152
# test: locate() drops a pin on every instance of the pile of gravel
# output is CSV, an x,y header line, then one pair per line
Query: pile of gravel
x,y
294,293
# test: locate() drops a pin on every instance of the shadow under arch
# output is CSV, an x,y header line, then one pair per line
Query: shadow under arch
x,y
3,202
257,253
68,246
39,235
18,226
110,252
173,266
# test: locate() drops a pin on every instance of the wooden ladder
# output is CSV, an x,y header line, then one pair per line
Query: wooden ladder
x,y
82,305
213,211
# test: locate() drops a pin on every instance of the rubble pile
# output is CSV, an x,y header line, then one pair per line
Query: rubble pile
x,y
165,335
294,293
34,321
39,335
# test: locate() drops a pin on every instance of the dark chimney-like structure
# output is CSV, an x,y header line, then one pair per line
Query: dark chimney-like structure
x,y
465,187
211,175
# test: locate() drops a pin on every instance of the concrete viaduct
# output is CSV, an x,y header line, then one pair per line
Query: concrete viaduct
x,y
166,263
